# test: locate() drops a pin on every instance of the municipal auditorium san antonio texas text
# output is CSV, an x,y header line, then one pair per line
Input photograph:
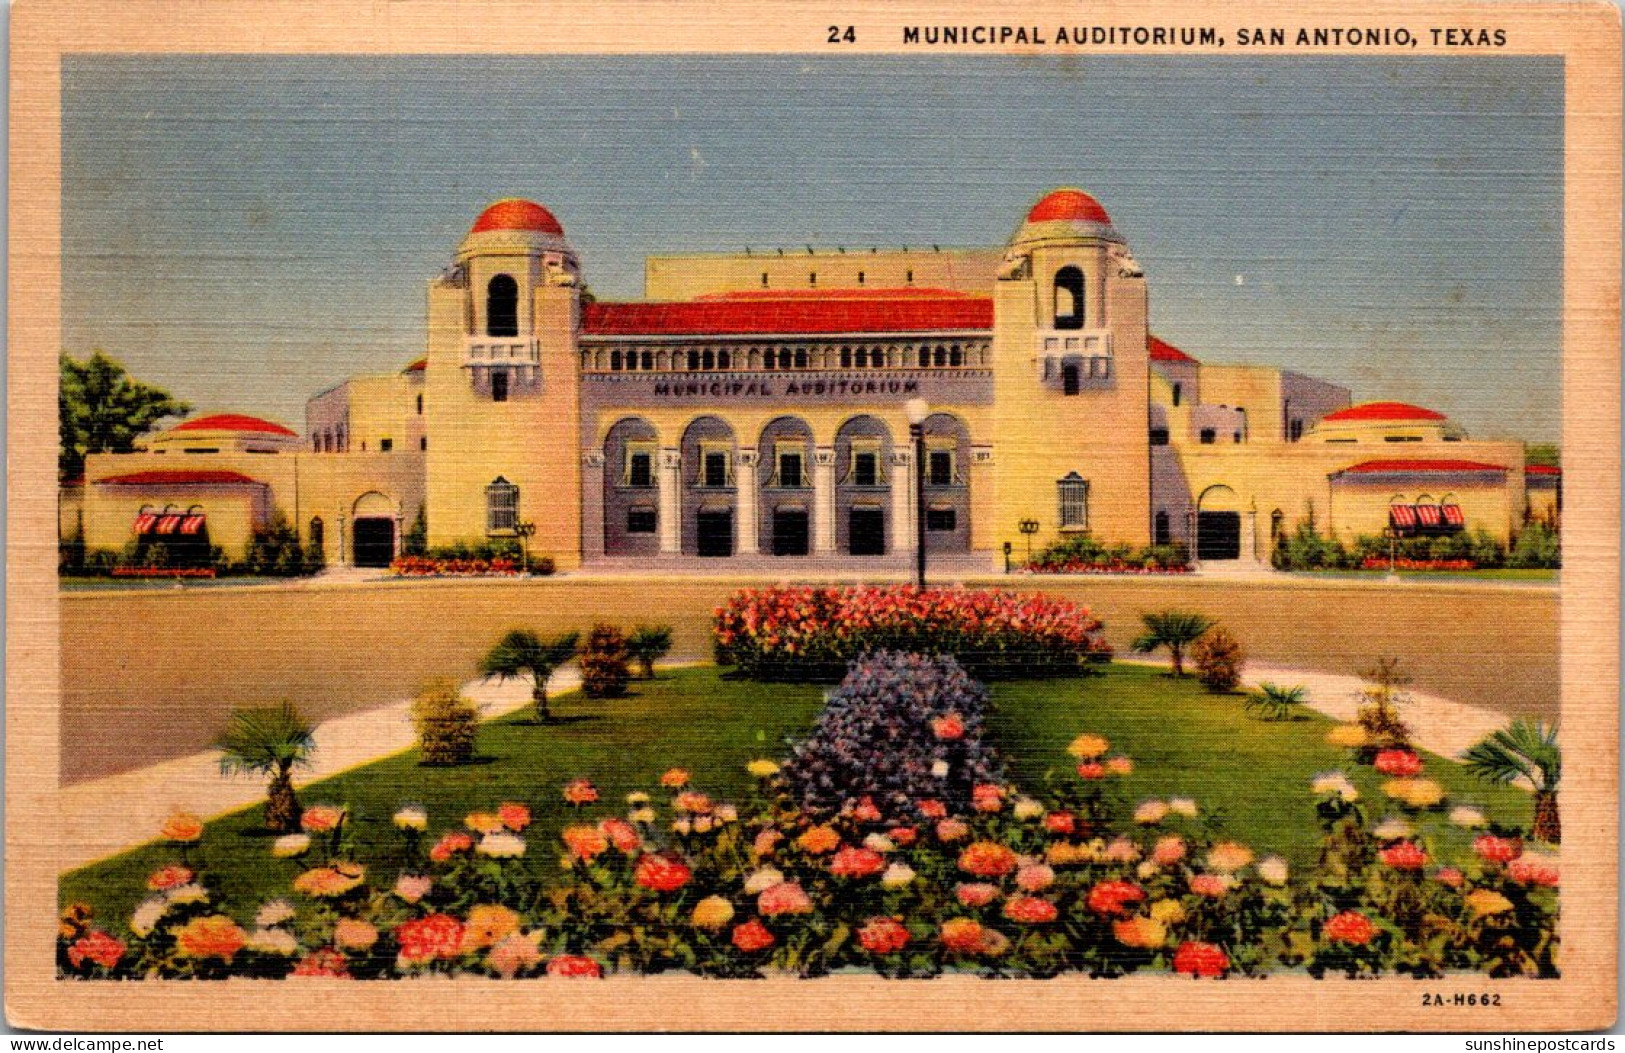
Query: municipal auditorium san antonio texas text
x,y
753,407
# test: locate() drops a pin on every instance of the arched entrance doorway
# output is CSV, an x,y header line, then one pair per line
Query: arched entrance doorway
x,y
709,487
373,532
1218,524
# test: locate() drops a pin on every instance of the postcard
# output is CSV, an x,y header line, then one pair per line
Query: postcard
x,y
765,516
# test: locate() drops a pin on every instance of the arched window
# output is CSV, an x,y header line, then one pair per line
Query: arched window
x,y
1069,298
316,531
1176,394
502,307
1073,491
420,405
501,506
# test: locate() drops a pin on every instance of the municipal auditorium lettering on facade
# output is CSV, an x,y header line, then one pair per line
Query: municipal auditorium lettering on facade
x,y
751,407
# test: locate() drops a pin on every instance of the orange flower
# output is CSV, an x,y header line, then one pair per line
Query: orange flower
x,y
1060,822
213,936
325,963
752,936
354,934
1201,959
514,815
883,936
1091,770
584,842
987,798
574,965
335,879
819,839
1113,897
97,947
487,924
661,873
1350,927
1404,855
964,936
987,859
976,894
168,877
675,778
689,801
321,818
183,827
1213,886
513,954
580,791
450,845
948,728
1029,910
424,939
1140,931
1168,851
483,822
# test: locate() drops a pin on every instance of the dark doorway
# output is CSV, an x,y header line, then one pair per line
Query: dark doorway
x,y
866,532
716,533
1069,379
374,542
789,532
1218,535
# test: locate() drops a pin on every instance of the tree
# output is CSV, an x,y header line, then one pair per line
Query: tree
x,y
270,740
1524,750
647,645
1174,630
523,653
102,409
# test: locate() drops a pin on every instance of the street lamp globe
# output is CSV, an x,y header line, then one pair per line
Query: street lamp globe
x,y
916,410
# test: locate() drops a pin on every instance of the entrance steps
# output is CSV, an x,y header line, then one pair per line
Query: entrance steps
x,y
939,569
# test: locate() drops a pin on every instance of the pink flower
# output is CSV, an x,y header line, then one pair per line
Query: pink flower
x,y
1060,823
987,798
1530,870
952,830
1450,877
1114,897
852,862
976,894
787,897
1404,855
574,965
1401,763
1492,849
1030,910
1214,886
1034,877
1168,851
412,888
766,842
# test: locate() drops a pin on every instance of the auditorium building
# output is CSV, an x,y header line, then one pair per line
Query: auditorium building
x,y
755,407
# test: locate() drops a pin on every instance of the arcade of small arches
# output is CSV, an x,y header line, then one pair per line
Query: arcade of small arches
x,y
734,357
706,490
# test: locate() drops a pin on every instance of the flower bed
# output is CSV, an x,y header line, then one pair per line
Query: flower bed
x,y
1402,563
163,572
807,633
926,711
1073,879
435,567
1079,566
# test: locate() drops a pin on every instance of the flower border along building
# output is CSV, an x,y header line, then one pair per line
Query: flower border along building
x,y
752,408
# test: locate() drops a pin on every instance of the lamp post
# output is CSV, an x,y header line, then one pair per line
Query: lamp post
x,y
917,410
1393,544
1028,527
524,532
1007,548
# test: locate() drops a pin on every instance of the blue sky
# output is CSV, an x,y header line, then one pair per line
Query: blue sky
x,y
247,231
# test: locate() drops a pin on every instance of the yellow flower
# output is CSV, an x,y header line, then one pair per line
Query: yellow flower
x,y
762,769
1483,903
1227,857
183,827
1140,931
712,912
1352,736
487,924
483,822
1418,793
335,879
1088,747
1168,911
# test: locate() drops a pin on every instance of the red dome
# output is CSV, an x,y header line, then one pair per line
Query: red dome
x,y
233,422
1384,411
515,213
1068,203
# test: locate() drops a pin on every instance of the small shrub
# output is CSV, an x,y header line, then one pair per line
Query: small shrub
x,y
926,710
647,644
1277,703
447,724
1537,546
1218,658
604,671
1380,700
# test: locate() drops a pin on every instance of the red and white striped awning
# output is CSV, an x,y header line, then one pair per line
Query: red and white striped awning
x,y
145,522
168,524
1429,515
1401,515
1454,516
191,524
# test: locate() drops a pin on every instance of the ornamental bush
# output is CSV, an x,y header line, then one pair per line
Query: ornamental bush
x,y
1085,555
1218,658
810,634
446,723
604,672
900,729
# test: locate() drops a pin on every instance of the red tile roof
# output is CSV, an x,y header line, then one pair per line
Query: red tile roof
x,y
1373,467
1542,469
1068,203
178,477
232,422
515,213
1384,411
1161,351
418,366
837,311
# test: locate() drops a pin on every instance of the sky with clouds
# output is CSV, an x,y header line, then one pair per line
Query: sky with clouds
x,y
249,230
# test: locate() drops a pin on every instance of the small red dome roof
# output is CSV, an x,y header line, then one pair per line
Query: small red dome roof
x,y
1384,411
1068,203
515,213
233,422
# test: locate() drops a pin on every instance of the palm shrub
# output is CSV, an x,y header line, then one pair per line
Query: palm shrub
x,y
269,740
604,671
1524,750
1218,658
646,645
1175,630
1277,703
523,653
446,723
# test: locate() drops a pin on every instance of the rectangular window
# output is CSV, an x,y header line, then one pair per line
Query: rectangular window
x,y
1159,436
499,385
789,473
640,466
939,467
865,468
386,444
1297,430
501,507
1074,496
1208,435
423,442
640,521
940,520
716,468
1402,438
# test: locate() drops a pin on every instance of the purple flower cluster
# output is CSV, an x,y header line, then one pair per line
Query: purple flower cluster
x,y
901,729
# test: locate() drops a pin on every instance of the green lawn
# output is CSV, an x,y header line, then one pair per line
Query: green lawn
x,y
1253,775
1486,574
